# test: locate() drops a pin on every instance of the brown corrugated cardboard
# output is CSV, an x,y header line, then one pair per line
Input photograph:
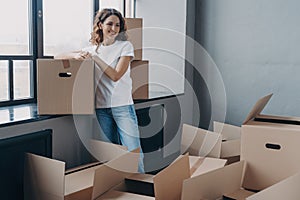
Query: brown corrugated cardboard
x,y
140,79
200,165
214,184
135,35
65,86
285,189
270,144
227,182
231,141
117,195
167,183
200,142
46,178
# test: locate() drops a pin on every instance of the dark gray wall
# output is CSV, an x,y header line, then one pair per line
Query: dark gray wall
x,y
256,45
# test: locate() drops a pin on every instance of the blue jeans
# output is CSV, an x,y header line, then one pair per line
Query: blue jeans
x,y
119,125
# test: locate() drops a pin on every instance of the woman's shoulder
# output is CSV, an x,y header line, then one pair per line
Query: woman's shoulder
x,y
124,42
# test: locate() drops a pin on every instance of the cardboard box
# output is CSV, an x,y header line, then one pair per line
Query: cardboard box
x,y
167,184
135,35
200,142
65,87
47,178
285,189
231,141
270,145
227,183
140,79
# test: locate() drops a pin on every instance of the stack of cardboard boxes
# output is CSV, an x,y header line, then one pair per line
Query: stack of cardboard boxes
x,y
139,67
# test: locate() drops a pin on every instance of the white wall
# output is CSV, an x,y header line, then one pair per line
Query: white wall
x,y
164,29
255,44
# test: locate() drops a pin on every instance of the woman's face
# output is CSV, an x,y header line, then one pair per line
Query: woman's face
x,y
110,27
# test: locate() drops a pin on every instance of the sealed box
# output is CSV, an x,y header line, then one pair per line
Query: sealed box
x,y
135,35
270,145
140,79
65,87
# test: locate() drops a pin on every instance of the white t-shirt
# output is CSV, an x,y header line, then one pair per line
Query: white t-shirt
x,y
110,93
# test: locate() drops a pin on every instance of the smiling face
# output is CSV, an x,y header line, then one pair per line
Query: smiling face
x,y
110,28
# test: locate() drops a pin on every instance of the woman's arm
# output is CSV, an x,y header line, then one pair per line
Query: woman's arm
x,y
79,55
114,73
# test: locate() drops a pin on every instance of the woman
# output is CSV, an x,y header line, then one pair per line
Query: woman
x,y
112,54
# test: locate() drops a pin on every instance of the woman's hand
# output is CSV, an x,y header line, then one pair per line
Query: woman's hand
x,y
81,55
78,55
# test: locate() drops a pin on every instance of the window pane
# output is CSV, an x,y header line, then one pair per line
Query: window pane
x,y
22,80
4,116
67,25
22,113
116,4
4,80
14,34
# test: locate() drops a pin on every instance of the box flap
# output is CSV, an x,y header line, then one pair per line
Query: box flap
x,y
208,164
127,162
212,185
44,178
240,194
285,189
168,182
258,107
142,177
106,151
113,194
80,180
229,132
84,194
200,142
112,173
231,148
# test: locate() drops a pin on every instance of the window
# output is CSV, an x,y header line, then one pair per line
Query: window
x,y
16,52
116,4
14,34
126,7
66,28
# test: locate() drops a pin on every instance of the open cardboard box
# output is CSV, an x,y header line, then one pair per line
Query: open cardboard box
x,y
223,143
65,86
47,178
226,183
270,145
200,142
285,189
231,141
167,184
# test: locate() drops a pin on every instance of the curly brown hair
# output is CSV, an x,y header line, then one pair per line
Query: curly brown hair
x,y
101,16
